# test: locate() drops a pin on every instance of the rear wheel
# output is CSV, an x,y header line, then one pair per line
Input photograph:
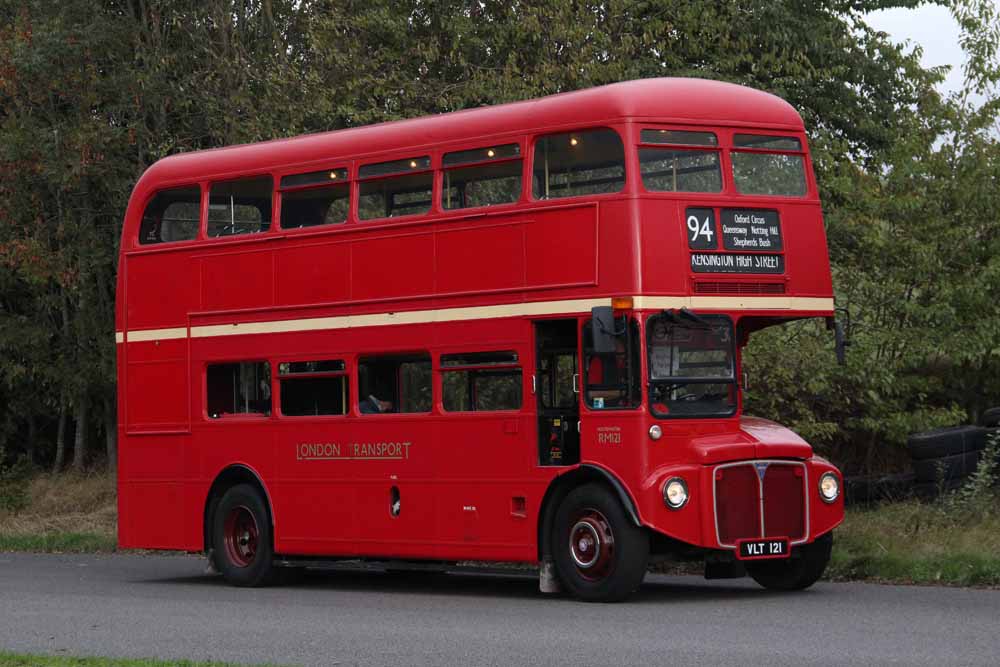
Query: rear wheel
x,y
796,573
600,554
241,536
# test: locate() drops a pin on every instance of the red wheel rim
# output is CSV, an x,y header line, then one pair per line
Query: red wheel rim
x,y
241,536
592,545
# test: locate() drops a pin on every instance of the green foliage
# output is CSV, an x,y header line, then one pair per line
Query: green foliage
x,y
977,498
93,93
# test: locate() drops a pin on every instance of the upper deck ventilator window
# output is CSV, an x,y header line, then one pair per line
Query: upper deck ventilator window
x,y
571,164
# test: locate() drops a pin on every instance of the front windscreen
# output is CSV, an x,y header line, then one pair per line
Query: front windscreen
x,y
691,365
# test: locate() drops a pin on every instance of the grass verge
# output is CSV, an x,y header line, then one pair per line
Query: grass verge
x,y
920,543
69,512
952,541
19,660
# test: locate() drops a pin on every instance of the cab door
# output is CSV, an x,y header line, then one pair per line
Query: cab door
x,y
557,381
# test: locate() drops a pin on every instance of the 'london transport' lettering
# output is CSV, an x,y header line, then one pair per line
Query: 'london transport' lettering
x,y
353,451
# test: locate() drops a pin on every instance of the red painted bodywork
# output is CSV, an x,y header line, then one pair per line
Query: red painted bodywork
x,y
630,243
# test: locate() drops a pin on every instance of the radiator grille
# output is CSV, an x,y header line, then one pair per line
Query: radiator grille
x,y
784,501
737,503
718,287
741,513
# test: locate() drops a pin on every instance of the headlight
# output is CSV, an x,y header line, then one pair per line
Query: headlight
x,y
829,487
655,432
675,493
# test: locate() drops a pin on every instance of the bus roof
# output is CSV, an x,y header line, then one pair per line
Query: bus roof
x,y
679,100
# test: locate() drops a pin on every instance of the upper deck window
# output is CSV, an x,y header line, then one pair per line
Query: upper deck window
x,y
325,204
768,165
572,164
680,169
172,215
493,176
408,193
239,207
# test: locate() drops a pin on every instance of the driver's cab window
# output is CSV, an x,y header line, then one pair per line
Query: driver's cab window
x,y
611,378
398,383
691,365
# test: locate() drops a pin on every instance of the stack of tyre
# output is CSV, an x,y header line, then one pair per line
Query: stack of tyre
x,y
945,457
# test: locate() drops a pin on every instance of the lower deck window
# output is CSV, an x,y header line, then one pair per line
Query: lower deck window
x,y
240,388
394,383
481,381
313,388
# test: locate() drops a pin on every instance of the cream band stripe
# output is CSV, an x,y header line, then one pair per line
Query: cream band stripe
x,y
477,313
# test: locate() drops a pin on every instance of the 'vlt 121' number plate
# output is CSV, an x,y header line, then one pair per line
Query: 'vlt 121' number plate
x,y
772,547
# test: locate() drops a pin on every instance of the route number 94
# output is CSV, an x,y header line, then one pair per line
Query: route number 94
x,y
701,228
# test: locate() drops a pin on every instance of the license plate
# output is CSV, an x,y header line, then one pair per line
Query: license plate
x,y
772,547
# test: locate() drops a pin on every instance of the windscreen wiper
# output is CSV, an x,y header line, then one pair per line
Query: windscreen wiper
x,y
697,319
685,317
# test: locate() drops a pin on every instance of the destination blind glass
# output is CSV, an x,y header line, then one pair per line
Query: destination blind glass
x,y
703,262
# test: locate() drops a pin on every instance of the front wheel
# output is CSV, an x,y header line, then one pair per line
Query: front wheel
x,y
600,554
242,543
800,571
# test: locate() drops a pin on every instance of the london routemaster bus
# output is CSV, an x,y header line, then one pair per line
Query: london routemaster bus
x,y
511,333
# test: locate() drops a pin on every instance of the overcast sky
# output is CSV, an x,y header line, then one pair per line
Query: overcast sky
x,y
933,28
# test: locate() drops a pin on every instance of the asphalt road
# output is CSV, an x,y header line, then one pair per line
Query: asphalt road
x,y
163,606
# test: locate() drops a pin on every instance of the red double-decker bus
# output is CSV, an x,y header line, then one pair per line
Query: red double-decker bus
x,y
504,334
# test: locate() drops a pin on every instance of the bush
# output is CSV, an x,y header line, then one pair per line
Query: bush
x,y
976,499
14,479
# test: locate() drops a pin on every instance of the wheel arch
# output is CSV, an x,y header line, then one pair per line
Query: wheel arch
x,y
563,484
230,476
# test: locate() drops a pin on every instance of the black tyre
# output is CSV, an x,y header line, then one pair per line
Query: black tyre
x,y
946,442
867,490
243,545
801,570
600,554
957,466
990,418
